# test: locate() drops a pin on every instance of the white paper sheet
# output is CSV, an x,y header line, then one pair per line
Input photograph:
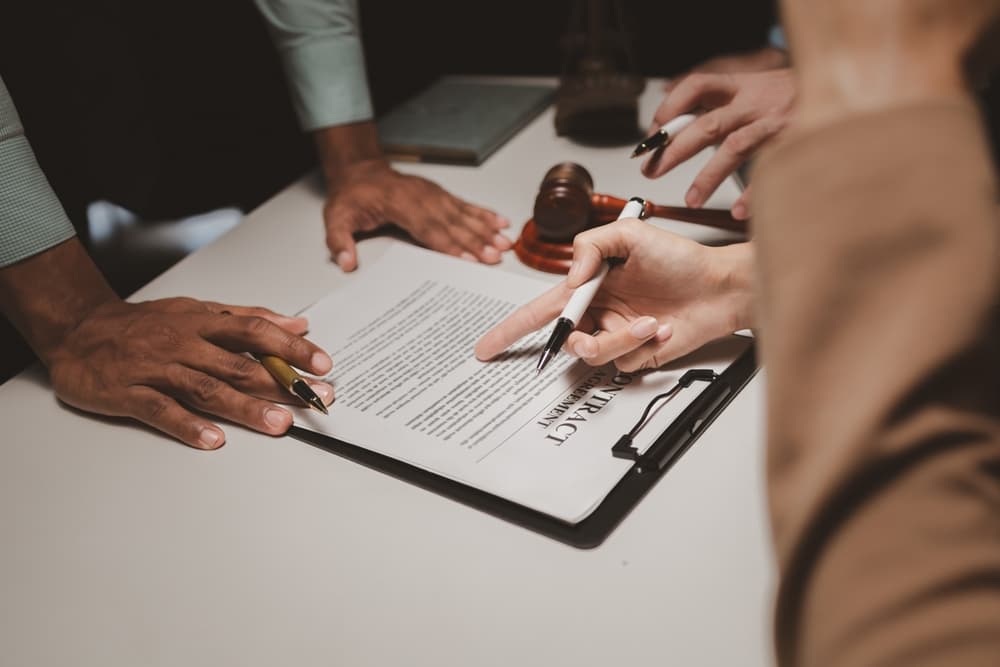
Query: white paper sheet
x,y
401,335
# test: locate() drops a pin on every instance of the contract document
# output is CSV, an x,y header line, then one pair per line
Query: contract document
x,y
401,333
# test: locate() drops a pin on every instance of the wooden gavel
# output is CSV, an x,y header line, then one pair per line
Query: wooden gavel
x,y
567,205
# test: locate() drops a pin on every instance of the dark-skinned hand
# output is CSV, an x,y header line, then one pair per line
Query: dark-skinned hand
x,y
165,362
370,193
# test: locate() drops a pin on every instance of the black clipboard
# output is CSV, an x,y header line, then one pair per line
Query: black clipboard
x,y
647,470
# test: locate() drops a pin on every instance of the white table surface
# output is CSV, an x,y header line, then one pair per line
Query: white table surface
x,y
122,548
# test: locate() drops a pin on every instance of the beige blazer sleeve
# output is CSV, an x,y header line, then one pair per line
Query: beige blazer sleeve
x,y
879,250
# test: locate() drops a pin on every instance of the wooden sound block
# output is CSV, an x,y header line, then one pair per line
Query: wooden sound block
x,y
540,254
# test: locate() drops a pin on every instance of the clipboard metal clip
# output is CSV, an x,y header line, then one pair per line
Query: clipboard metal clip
x,y
675,439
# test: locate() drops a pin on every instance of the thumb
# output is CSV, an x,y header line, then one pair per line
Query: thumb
x,y
593,247
340,226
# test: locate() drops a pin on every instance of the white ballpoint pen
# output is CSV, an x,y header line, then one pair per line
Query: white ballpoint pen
x,y
665,134
583,295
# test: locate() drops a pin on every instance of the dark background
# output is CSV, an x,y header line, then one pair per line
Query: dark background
x,y
173,108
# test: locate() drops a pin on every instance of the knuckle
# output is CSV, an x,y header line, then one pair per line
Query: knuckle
x,y
711,126
242,368
462,235
165,336
257,326
295,345
155,408
206,388
438,240
630,231
771,125
739,144
184,303
258,311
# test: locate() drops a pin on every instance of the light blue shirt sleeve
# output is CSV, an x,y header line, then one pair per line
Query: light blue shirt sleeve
x,y
320,44
31,218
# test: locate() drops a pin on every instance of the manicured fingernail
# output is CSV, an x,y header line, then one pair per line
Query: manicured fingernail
x,y
468,256
343,259
693,197
739,211
644,327
502,242
664,332
324,391
585,350
490,254
321,362
209,438
277,418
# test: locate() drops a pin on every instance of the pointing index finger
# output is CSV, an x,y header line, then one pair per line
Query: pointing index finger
x,y
528,318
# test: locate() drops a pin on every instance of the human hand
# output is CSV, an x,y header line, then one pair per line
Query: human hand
x,y
766,58
370,194
743,112
669,297
159,361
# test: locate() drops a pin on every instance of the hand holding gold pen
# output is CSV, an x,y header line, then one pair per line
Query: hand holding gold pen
x,y
288,378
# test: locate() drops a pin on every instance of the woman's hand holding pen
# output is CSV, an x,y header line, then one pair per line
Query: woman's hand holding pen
x,y
158,361
670,296
743,111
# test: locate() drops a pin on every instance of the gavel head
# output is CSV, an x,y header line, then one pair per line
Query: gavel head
x,y
563,207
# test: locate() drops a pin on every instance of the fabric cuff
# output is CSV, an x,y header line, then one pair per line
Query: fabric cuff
x,y
31,218
327,78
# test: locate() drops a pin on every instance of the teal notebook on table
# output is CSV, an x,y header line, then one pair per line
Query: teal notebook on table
x,y
460,122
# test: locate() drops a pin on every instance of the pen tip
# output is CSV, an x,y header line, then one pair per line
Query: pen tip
x,y
543,362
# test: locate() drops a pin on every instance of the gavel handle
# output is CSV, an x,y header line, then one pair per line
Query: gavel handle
x,y
710,217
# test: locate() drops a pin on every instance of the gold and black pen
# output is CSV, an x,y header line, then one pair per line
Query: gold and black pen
x,y
663,136
288,378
